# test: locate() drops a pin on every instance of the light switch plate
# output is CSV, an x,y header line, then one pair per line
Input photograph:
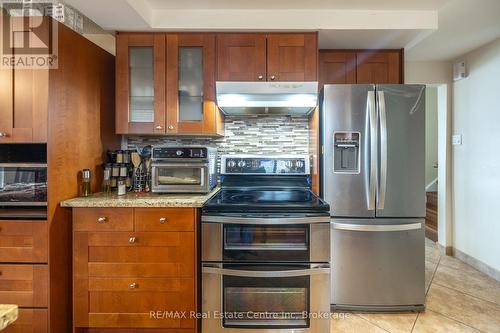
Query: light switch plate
x,y
456,139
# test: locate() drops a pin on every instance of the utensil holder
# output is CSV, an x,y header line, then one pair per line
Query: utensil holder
x,y
140,181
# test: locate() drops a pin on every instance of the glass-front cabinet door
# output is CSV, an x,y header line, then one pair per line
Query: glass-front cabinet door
x,y
140,82
190,86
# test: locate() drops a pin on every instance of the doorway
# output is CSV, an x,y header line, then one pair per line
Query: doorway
x,y
438,186
431,162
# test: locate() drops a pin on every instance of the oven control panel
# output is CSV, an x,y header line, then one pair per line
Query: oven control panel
x,y
160,153
265,165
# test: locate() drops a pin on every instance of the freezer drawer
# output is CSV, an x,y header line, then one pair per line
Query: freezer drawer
x,y
378,264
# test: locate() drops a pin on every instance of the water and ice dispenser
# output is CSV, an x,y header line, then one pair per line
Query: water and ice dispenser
x,y
346,152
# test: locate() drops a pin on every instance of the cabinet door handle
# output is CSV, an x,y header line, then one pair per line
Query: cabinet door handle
x,y
273,77
260,77
158,127
171,127
101,220
132,240
3,135
133,285
163,220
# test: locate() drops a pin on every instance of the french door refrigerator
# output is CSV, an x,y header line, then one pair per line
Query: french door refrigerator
x,y
372,175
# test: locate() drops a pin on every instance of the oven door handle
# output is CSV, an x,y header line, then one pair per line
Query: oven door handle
x,y
179,164
23,165
319,269
265,220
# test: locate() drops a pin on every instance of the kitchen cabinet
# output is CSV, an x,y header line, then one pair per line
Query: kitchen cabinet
x,y
140,83
337,67
360,66
71,109
292,57
379,67
29,321
23,241
165,84
122,273
271,57
241,57
23,105
24,285
191,107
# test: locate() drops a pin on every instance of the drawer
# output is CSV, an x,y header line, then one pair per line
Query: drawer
x,y
103,219
23,241
164,219
30,321
176,286
143,247
145,270
24,285
135,330
133,306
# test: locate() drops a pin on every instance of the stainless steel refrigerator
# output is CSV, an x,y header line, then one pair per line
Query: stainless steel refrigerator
x,y
373,177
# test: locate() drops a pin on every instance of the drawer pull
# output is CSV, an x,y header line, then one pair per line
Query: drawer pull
x,y
101,220
163,220
133,285
132,240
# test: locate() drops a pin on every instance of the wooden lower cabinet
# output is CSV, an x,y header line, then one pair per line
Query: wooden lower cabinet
x,y
30,321
24,285
126,281
23,241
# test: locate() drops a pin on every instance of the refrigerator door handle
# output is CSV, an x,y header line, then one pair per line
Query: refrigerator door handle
x,y
373,150
376,228
382,188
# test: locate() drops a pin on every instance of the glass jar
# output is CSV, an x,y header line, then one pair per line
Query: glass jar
x,y
85,183
106,182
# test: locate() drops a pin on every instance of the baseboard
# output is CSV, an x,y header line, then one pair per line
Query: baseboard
x,y
448,250
477,264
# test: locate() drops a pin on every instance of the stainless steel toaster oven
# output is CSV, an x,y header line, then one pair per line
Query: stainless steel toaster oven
x,y
183,169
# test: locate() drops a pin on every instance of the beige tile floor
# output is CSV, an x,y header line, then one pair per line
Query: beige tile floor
x,y
459,299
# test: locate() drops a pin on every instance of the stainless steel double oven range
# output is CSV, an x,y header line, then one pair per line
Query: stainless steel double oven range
x,y
265,249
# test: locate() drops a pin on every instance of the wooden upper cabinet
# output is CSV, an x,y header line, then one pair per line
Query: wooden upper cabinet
x,y
271,57
24,100
292,57
241,57
190,86
337,67
379,66
165,84
140,84
360,66
23,105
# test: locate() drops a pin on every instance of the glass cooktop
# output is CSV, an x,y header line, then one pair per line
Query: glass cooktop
x,y
268,199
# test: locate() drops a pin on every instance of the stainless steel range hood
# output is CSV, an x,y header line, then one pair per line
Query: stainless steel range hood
x,y
279,98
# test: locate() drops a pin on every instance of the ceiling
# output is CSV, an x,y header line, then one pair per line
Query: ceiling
x,y
298,4
428,29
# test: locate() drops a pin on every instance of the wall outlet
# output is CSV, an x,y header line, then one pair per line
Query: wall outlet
x,y
456,139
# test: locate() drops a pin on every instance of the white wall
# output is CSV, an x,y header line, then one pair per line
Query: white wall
x,y
431,134
476,163
439,74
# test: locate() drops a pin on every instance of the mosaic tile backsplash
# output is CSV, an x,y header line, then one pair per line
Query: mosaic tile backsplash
x,y
249,135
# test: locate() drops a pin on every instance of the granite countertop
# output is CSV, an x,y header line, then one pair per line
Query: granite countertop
x,y
8,315
139,200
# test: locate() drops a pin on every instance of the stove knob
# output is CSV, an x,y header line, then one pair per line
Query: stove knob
x,y
179,153
300,164
231,163
241,164
288,164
